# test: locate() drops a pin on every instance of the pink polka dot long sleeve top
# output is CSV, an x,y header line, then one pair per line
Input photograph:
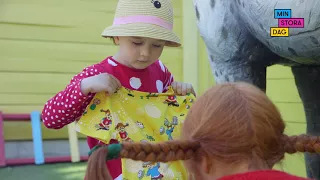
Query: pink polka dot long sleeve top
x,y
69,104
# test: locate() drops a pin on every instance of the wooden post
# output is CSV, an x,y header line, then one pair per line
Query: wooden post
x,y
37,137
73,141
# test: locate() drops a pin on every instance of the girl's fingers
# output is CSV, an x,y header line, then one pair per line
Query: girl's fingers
x,y
191,90
179,88
112,86
174,86
109,90
184,89
117,82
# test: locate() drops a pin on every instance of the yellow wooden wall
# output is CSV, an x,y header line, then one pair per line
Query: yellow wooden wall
x,y
44,43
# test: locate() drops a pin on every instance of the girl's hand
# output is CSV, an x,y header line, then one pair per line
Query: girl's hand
x,y
102,82
181,88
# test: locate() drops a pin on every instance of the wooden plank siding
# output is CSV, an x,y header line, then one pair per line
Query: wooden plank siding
x,y
282,90
43,44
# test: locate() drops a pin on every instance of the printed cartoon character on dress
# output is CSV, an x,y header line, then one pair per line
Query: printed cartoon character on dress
x,y
144,18
152,169
122,132
169,127
172,101
106,121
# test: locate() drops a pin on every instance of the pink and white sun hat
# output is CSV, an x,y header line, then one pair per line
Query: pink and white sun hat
x,y
144,18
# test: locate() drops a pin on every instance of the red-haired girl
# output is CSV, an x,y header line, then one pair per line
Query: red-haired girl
x,y
232,132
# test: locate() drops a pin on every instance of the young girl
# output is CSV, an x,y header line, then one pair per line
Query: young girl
x,y
141,28
232,132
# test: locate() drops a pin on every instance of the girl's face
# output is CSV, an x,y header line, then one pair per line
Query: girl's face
x,y
138,52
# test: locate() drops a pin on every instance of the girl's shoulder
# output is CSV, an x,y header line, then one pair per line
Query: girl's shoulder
x,y
108,62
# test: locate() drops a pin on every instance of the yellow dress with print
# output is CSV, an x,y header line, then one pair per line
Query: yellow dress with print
x,y
130,115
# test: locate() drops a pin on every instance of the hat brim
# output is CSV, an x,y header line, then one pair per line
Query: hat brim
x,y
143,30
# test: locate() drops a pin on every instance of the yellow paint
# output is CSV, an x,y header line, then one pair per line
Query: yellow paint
x,y
291,112
283,90
279,72
279,32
